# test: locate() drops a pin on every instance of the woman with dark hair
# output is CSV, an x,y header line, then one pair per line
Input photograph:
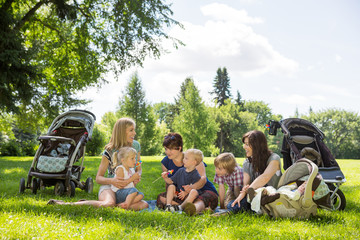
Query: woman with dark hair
x,y
261,168
172,162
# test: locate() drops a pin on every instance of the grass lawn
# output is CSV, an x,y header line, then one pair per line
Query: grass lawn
x,y
26,216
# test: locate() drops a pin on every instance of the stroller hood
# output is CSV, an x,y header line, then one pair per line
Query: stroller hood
x,y
87,119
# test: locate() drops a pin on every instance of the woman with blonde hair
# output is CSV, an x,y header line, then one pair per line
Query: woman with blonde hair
x,y
123,135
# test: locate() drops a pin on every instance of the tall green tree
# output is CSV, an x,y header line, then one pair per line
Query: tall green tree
x,y
261,109
194,121
221,86
133,104
235,123
52,49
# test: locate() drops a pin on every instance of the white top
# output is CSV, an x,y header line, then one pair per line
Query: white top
x,y
127,175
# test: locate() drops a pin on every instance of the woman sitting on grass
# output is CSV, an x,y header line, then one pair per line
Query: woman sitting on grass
x,y
122,136
171,163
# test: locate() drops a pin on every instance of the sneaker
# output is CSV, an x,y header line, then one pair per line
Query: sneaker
x,y
174,208
189,208
167,208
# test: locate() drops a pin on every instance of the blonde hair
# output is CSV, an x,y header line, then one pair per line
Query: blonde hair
x,y
226,161
118,136
198,155
122,153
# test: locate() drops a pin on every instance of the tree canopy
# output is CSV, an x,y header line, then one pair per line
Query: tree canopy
x,y
52,49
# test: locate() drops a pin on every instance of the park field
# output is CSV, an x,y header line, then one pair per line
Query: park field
x,y
27,216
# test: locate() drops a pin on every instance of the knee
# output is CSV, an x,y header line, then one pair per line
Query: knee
x,y
107,204
194,193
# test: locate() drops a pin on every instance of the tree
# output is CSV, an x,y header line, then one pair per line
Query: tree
x,y
341,130
221,86
98,140
239,100
134,105
235,123
194,122
165,113
261,109
52,49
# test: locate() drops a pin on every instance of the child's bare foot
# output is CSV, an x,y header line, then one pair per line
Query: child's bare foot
x,y
124,205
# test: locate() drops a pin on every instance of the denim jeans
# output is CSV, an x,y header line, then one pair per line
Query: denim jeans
x,y
244,206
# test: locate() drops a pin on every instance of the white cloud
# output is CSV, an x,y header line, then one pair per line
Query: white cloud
x,y
225,39
338,58
223,12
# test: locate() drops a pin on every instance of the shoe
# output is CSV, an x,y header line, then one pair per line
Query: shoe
x,y
167,208
174,208
251,193
189,208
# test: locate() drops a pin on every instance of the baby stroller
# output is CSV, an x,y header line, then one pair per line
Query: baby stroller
x,y
59,150
302,139
293,196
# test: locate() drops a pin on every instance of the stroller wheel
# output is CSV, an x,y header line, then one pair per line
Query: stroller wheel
x,y
22,185
71,190
59,188
35,185
89,184
338,200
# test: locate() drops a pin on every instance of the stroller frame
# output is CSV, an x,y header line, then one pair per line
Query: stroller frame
x,y
304,139
78,126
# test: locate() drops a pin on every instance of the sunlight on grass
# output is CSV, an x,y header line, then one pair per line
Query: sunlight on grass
x,y
26,216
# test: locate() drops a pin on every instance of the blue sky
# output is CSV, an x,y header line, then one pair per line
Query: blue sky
x,y
288,54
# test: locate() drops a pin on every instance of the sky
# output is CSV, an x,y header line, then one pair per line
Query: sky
x,y
292,55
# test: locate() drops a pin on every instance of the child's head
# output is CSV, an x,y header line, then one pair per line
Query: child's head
x,y
173,141
225,164
193,156
119,137
124,154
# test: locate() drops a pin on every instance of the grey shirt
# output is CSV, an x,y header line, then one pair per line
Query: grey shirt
x,y
248,168
182,177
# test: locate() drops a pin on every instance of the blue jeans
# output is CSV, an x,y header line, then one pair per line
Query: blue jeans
x,y
121,194
244,206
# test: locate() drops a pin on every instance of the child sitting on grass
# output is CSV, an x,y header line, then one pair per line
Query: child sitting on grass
x,y
229,172
187,175
124,160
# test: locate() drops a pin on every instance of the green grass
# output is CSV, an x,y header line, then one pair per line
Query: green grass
x,y
26,216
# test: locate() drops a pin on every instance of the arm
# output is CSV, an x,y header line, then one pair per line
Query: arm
x,y
243,192
222,195
264,178
166,178
100,179
236,190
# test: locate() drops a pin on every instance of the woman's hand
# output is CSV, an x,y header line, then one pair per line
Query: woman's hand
x,y
119,182
187,188
237,201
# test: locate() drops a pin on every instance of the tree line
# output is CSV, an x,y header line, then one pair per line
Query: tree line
x,y
212,128
51,50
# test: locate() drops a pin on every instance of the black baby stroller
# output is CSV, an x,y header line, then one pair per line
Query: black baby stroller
x,y
302,139
59,150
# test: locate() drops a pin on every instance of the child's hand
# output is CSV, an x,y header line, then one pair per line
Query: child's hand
x,y
164,175
136,176
182,194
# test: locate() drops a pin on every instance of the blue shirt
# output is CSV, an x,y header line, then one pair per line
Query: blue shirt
x,y
169,164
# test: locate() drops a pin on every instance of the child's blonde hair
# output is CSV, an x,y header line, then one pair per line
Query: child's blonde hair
x,y
122,153
226,161
198,155
118,136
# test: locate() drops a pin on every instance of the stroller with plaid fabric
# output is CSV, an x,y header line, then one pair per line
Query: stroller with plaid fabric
x,y
59,150
302,139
